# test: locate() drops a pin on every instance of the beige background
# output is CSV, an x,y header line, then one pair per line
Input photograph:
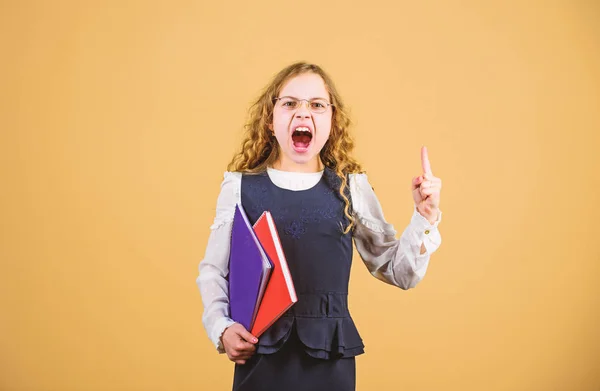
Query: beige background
x,y
117,120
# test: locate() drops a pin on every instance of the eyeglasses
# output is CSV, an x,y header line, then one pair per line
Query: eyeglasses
x,y
318,105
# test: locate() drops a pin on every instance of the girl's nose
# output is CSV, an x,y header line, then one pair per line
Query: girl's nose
x,y
303,115
303,112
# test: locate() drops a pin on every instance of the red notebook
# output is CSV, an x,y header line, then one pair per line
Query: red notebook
x,y
280,293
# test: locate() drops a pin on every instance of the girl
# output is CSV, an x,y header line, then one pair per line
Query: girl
x,y
296,162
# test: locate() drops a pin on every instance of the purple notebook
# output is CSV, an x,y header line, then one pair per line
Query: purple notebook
x,y
249,270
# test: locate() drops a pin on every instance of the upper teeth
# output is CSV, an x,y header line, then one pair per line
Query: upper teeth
x,y
302,129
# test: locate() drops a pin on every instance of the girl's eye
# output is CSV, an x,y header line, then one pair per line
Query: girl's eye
x,y
289,104
318,105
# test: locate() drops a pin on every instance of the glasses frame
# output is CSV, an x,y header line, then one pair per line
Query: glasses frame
x,y
308,101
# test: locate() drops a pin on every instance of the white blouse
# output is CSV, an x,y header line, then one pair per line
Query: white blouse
x,y
397,262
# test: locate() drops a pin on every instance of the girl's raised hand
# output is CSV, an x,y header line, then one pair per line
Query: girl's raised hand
x,y
238,343
426,190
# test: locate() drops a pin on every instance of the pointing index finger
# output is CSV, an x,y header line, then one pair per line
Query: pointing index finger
x,y
425,161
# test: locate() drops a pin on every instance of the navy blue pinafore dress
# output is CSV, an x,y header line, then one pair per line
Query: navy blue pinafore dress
x,y
313,345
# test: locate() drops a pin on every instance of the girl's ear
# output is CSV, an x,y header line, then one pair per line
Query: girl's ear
x,y
270,126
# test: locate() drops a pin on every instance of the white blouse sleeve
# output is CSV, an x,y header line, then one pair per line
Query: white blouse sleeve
x,y
397,262
213,269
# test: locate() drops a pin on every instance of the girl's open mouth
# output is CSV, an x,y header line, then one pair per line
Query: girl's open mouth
x,y
301,138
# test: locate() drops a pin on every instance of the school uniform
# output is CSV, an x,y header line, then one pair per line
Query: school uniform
x,y
324,337
314,344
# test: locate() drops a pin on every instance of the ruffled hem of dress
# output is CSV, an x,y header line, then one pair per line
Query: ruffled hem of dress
x,y
323,338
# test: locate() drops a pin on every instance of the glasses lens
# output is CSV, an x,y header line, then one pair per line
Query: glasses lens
x,y
289,103
318,105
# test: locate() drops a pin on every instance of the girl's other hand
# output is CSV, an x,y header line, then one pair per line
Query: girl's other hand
x,y
426,190
238,343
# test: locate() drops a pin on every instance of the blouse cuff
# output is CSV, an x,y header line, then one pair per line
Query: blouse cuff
x,y
428,232
218,329
421,223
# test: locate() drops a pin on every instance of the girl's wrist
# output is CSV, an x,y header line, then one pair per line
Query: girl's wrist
x,y
431,217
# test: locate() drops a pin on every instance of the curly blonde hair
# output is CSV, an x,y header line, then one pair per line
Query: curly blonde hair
x,y
260,150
